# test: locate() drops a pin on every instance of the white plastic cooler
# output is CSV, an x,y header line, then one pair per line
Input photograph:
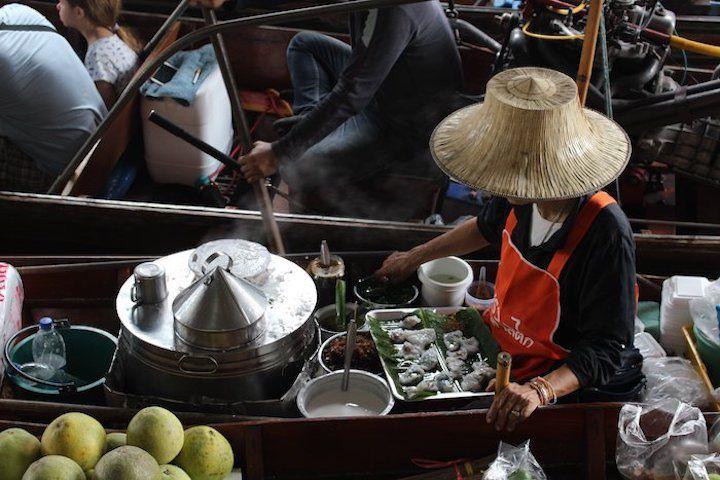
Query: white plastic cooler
x,y
171,160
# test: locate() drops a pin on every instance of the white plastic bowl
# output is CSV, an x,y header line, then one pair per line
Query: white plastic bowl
x,y
438,293
365,390
479,303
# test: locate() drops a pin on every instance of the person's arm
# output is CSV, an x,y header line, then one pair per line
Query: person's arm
x,y
606,312
107,92
386,34
467,237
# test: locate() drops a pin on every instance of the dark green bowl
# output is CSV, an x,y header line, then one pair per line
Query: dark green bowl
x,y
710,354
89,353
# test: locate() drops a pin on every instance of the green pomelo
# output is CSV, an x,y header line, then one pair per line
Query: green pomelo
x,y
206,454
171,472
115,440
54,467
158,432
18,449
127,463
76,436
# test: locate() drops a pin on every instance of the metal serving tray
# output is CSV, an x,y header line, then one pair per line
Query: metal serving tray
x,y
392,316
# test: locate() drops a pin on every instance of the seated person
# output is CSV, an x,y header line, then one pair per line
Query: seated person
x,y
48,103
111,56
369,106
565,288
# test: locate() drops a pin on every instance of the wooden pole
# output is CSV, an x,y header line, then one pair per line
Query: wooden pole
x,y
241,128
588,50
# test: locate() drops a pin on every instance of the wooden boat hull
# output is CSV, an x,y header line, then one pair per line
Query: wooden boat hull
x,y
49,225
575,441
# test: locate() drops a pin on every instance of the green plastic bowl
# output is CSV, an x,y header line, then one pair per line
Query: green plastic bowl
x,y
89,353
710,354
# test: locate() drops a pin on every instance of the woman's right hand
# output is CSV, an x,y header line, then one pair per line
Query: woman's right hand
x,y
398,266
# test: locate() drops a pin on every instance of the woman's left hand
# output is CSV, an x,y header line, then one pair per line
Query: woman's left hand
x,y
513,405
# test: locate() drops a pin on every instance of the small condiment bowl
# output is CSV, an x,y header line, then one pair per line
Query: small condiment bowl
x,y
326,344
323,314
479,303
321,352
370,305
365,384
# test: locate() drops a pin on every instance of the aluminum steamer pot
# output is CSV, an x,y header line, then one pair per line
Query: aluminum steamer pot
x,y
158,363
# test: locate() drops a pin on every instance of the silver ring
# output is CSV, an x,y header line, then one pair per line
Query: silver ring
x,y
515,413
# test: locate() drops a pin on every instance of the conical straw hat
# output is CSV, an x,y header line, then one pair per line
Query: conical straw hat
x,y
531,140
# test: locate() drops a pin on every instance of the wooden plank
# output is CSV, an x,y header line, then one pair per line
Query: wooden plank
x,y
595,444
110,417
253,460
437,436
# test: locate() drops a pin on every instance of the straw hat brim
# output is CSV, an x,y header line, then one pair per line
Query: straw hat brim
x,y
602,159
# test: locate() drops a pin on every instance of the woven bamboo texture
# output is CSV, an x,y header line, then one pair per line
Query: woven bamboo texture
x,y
531,140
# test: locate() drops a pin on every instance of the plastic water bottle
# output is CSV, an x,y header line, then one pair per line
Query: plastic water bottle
x,y
48,348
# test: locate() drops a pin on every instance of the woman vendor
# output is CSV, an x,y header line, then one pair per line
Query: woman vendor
x,y
565,288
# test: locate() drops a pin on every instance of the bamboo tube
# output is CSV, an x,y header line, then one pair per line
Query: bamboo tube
x,y
502,377
588,51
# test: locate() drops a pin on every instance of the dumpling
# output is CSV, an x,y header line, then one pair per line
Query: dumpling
x,y
412,376
470,344
428,360
453,340
444,382
411,321
455,366
411,351
397,335
422,338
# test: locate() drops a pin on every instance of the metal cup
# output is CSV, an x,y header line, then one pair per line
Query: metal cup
x,y
150,285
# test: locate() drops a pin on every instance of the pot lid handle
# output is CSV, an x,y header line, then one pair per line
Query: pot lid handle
x,y
217,259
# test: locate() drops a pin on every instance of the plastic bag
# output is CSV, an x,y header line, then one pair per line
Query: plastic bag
x,y
703,467
11,302
514,463
704,313
674,377
656,441
714,437
648,346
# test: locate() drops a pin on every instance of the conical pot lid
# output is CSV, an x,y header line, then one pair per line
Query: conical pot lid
x,y
219,310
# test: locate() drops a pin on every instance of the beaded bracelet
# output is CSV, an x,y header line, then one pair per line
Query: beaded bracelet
x,y
552,396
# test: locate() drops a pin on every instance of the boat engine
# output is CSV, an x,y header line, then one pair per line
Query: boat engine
x,y
552,37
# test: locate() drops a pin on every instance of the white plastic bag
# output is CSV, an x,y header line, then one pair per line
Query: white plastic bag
x,y
654,440
11,301
704,313
514,463
648,346
714,437
674,377
703,467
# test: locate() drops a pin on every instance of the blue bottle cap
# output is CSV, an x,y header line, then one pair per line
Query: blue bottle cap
x,y
46,323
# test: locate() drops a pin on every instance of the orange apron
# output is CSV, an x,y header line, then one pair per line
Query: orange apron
x,y
526,313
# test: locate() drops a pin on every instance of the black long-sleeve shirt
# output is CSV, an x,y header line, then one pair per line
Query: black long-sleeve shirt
x,y
597,285
405,58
